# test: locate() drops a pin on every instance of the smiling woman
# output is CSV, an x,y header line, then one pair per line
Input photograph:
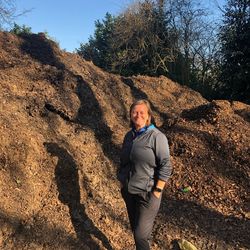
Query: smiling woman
x,y
144,169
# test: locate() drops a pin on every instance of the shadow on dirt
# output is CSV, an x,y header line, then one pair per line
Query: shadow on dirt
x,y
41,49
19,233
67,180
175,245
91,115
209,222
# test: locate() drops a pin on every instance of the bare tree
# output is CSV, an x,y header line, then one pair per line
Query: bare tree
x,y
197,38
141,39
8,12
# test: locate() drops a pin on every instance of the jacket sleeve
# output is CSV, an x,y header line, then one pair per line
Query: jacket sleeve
x,y
164,167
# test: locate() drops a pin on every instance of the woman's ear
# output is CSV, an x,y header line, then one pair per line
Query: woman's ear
x,y
148,120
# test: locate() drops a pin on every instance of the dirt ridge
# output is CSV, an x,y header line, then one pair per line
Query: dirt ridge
x,y
62,121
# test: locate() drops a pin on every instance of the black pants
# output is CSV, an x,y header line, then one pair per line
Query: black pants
x,y
142,210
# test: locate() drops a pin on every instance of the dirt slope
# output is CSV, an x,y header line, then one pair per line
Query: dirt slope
x,y
62,121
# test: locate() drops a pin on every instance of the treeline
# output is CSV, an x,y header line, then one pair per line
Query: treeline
x,y
178,39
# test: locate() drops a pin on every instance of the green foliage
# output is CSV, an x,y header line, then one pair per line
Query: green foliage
x,y
144,43
21,30
176,38
235,37
138,41
98,49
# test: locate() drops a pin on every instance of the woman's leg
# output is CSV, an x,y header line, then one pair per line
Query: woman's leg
x,y
148,208
130,201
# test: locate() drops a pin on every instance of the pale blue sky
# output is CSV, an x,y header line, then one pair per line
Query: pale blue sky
x,y
72,22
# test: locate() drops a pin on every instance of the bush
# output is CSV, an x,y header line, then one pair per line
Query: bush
x,y
21,30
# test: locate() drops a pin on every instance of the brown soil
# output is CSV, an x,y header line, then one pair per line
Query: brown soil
x,y
62,121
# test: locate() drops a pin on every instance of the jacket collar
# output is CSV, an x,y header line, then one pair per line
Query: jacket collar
x,y
141,131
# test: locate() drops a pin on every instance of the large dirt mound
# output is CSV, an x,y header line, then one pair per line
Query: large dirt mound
x,y
62,121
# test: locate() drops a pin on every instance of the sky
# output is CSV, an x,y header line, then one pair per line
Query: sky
x,y
73,22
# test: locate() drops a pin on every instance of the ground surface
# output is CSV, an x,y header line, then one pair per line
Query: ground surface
x,y
62,122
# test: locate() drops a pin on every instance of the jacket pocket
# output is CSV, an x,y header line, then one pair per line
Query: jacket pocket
x,y
149,185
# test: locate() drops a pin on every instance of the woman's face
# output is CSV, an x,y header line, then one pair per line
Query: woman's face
x,y
139,116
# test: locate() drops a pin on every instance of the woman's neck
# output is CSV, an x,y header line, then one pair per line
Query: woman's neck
x,y
137,128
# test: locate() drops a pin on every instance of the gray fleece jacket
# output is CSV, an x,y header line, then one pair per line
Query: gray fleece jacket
x,y
144,159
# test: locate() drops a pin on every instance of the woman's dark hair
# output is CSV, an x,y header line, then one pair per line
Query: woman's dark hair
x,y
150,112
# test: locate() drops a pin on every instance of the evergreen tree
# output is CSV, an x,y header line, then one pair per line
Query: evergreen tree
x,y
235,37
98,49
20,30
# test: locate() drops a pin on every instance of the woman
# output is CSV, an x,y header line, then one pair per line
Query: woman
x,y
144,169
